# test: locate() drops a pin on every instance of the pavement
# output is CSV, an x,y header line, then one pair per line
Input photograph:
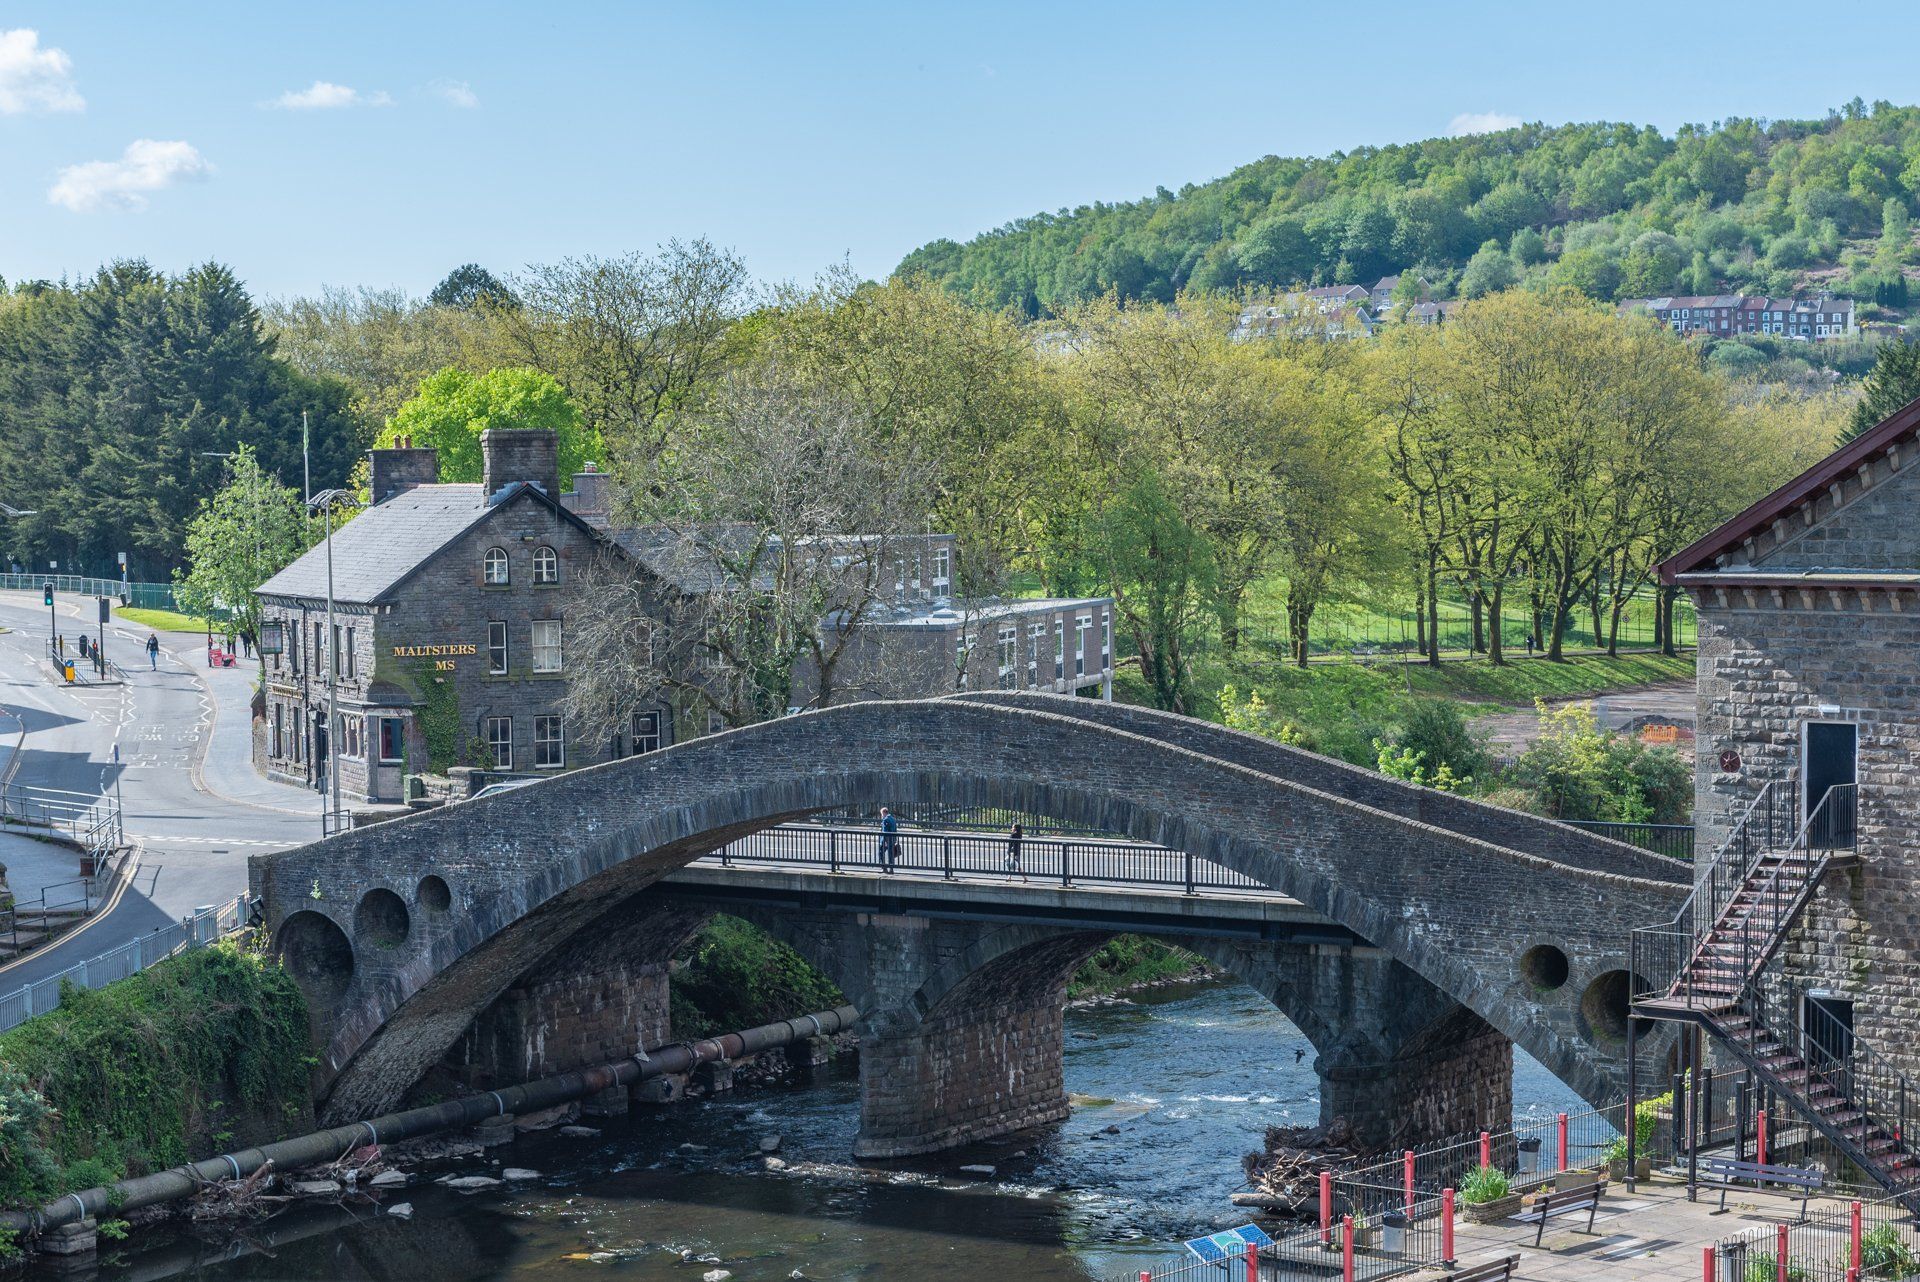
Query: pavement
x,y
192,804
1641,711
1651,1235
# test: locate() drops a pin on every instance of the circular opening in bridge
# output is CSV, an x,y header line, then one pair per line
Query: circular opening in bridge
x,y
381,919
1545,967
1603,1008
316,953
433,894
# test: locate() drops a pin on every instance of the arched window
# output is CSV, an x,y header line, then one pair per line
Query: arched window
x,y
493,567
546,565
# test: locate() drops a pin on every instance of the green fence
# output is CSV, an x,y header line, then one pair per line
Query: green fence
x,y
145,596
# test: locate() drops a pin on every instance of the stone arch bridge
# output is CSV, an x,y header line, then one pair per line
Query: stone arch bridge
x,y
1412,934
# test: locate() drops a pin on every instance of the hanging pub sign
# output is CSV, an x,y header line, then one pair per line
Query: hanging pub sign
x,y
273,637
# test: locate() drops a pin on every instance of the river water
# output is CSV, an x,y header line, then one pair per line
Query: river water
x,y
1171,1088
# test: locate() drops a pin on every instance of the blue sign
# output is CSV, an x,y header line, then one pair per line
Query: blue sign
x,y
1229,1245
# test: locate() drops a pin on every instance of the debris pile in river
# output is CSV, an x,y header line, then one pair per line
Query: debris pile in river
x,y
1284,1177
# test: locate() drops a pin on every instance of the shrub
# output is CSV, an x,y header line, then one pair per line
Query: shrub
x,y
733,975
1438,731
1577,771
1883,1254
1484,1184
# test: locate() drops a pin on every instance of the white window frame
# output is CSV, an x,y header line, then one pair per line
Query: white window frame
x,y
542,741
1082,624
547,641
1009,656
636,736
546,565
497,631
942,566
495,570
500,744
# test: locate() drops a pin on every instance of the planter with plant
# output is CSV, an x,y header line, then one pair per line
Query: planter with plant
x,y
1647,1115
1486,1195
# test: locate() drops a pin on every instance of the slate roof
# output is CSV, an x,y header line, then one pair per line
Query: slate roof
x,y
383,546
1698,558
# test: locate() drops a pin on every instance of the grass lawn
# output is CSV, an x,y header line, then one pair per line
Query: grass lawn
x,y
1521,681
164,620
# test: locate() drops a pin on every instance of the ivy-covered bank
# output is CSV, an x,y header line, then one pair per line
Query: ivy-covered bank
x,y
202,1053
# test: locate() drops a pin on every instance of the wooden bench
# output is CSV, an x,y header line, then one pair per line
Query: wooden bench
x,y
1728,1174
1497,1268
1571,1200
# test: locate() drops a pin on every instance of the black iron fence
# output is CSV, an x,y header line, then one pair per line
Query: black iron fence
x,y
969,818
1675,841
1878,1238
950,855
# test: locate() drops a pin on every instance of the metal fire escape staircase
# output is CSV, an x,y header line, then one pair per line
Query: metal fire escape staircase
x,y
1717,965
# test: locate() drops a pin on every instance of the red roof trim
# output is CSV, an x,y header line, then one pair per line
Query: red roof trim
x,y
1801,490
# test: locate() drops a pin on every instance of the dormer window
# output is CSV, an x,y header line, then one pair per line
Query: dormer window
x,y
493,568
546,565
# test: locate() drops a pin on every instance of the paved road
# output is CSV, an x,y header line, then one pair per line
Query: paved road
x,y
192,804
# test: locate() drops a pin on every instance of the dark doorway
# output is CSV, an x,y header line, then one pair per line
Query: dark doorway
x,y
1829,1024
1830,747
320,756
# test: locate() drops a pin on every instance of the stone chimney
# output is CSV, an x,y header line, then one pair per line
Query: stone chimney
x,y
401,466
511,454
591,499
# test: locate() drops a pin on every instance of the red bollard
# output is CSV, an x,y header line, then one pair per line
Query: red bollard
x,y
1346,1248
1563,1141
1326,1208
1446,1226
1706,1264
1253,1263
1486,1149
1853,1234
1407,1180
1760,1137
1780,1252
1145,1276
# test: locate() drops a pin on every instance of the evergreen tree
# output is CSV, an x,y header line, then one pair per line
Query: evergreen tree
x,y
1891,383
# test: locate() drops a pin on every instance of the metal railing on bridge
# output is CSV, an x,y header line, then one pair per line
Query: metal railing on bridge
x,y
1675,841
94,823
202,928
145,596
954,855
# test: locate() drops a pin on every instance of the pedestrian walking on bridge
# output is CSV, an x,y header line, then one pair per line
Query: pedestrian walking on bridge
x,y
1014,838
889,840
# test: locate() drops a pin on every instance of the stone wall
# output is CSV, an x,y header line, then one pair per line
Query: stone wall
x,y
1768,667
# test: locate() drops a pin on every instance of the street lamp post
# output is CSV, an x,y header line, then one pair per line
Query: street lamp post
x,y
325,502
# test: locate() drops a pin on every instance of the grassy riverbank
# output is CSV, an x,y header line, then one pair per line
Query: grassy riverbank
x,y
204,1052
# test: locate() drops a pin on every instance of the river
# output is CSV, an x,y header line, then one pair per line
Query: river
x,y
1172,1087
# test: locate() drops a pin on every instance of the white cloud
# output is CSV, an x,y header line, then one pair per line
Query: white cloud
x,y
35,79
324,95
1481,122
457,93
145,166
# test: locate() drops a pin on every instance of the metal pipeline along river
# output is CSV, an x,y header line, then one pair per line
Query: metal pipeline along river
x,y
1171,1085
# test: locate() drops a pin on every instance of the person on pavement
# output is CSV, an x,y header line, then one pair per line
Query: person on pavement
x,y
889,840
153,651
1013,854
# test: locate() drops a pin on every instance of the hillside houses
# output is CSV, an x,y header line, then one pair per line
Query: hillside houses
x,y
1722,315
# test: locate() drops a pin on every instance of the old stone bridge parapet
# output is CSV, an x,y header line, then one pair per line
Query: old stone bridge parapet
x,y
403,933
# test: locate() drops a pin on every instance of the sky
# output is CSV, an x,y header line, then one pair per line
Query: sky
x,y
384,144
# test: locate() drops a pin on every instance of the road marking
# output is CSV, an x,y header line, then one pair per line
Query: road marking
x,y
208,841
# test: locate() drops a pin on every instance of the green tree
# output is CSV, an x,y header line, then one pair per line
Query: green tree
x,y
1489,271
246,532
1891,383
453,407
469,286
1160,572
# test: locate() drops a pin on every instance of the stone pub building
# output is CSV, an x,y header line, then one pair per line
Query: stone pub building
x,y
449,637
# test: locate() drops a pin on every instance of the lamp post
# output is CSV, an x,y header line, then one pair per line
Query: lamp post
x,y
325,502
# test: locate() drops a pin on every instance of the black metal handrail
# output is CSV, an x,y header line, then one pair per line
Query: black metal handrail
x,y
952,855
1675,841
1660,955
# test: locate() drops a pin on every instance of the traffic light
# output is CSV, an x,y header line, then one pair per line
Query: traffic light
x,y
46,596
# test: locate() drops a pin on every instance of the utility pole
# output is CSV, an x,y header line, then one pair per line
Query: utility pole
x,y
306,463
330,816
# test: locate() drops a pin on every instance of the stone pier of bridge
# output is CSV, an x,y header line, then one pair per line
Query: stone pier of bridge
x,y
962,1032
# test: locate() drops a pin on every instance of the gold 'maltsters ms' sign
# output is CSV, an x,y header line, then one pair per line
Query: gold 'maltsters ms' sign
x,y
444,655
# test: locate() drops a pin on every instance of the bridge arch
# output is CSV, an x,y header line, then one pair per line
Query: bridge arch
x,y
528,870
